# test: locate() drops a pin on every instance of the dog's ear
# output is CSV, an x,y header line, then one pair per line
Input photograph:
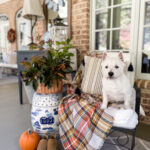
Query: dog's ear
x,y
120,56
104,56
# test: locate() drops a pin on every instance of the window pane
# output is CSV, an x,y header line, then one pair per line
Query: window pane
x,y
103,19
122,16
147,13
146,39
102,40
121,1
121,39
145,62
102,3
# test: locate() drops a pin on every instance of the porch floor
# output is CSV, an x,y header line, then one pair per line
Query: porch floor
x,y
15,119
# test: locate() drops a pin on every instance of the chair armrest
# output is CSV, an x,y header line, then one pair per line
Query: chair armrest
x,y
138,98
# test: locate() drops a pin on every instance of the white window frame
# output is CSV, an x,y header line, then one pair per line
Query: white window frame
x,y
140,44
134,35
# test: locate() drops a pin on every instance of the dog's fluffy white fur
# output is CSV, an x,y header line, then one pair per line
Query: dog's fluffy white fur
x,y
116,85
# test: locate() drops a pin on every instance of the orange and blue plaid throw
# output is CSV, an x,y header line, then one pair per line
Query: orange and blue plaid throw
x,y
83,126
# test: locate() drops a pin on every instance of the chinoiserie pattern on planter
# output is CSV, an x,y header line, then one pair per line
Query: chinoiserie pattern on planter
x,y
44,113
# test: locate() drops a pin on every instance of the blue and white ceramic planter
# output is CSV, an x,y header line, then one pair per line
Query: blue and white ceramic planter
x,y
44,113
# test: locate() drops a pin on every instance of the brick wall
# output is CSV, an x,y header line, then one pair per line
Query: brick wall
x,y
145,101
10,9
40,27
80,24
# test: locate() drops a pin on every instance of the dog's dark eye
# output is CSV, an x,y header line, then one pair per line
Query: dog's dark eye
x,y
106,67
116,67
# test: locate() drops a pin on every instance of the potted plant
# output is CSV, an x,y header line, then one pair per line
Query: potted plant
x,y
49,70
46,74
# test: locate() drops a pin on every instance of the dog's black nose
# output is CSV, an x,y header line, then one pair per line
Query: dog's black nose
x,y
110,74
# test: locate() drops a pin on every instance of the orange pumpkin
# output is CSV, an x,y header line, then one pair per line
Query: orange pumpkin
x,y
29,140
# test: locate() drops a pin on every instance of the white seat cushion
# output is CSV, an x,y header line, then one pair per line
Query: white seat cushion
x,y
124,118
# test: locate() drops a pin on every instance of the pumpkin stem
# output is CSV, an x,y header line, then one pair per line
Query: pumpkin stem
x,y
29,131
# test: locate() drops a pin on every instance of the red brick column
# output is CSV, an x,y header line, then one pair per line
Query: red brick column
x,y
40,27
81,24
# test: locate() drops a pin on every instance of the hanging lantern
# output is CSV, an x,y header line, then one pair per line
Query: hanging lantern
x,y
58,32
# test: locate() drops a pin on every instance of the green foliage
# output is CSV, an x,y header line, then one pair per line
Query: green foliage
x,y
54,65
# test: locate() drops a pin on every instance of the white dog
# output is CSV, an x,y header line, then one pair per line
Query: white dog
x,y
116,85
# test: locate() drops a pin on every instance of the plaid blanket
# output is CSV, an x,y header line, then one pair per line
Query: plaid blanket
x,y
83,126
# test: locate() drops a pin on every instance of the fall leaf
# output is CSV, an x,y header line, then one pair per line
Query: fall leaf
x,y
62,67
26,64
61,75
35,58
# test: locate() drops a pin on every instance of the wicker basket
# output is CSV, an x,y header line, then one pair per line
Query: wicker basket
x,y
53,90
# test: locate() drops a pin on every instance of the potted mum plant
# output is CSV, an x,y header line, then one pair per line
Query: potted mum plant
x,y
46,74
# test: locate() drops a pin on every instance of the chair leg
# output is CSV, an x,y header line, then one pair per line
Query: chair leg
x,y
133,140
